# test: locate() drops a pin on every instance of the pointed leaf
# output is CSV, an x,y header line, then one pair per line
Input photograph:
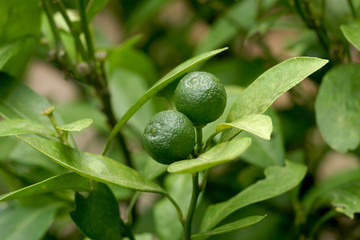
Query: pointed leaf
x,y
163,82
59,182
352,33
97,216
25,222
278,180
219,154
258,124
242,223
76,126
94,166
346,199
337,107
7,51
94,8
13,127
259,96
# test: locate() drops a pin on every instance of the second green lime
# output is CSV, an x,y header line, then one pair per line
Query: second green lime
x,y
201,96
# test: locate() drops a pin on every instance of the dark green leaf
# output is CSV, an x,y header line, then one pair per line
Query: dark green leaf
x,y
337,107
221,153
242,223
93,166
278,180
22,126
6,52
94,7
26,223
76,126
97,216
59,182
163,82
259,96
352,33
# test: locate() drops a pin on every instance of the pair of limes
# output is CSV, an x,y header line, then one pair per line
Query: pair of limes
x,y
200,98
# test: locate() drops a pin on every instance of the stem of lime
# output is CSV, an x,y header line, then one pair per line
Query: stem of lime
x,y
199,137
194,197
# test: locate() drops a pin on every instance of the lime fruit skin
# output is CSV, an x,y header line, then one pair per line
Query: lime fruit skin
x,y
169,137
201,96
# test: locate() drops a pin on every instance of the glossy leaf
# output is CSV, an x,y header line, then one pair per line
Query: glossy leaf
x,y
242,223
346,199
163,82
260,125
94,166
22,126
76,126
352,33
259,95
97,216
278,180
219,154
25,222
337,107
56,183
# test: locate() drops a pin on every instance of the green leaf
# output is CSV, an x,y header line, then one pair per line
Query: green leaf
x,y
259,95
94,7
264,153
94,166
219,154
278,180
167,224
21,223
337,107
317,191
76,126
7,51
241,16
346,199
260,125
22,126
163,82
352,33
97,216
56,183
242,223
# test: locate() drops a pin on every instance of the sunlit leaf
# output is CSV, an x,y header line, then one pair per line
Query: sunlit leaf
x,y
219,154
76,126
259,95
94,166
257,124
352,33
22,126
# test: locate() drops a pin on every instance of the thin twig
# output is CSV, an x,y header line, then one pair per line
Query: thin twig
x,y
194,197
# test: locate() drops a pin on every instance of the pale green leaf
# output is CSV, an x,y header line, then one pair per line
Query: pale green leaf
x,y
346,199
13,127
258,124
352,33
94,166
278,180
6,52
219,154
337,107
56,183
94,7
77,125
26,222
242,223
163,82
259,95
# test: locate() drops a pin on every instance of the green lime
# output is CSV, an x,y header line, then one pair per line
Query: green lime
x,y
169,136
201,96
